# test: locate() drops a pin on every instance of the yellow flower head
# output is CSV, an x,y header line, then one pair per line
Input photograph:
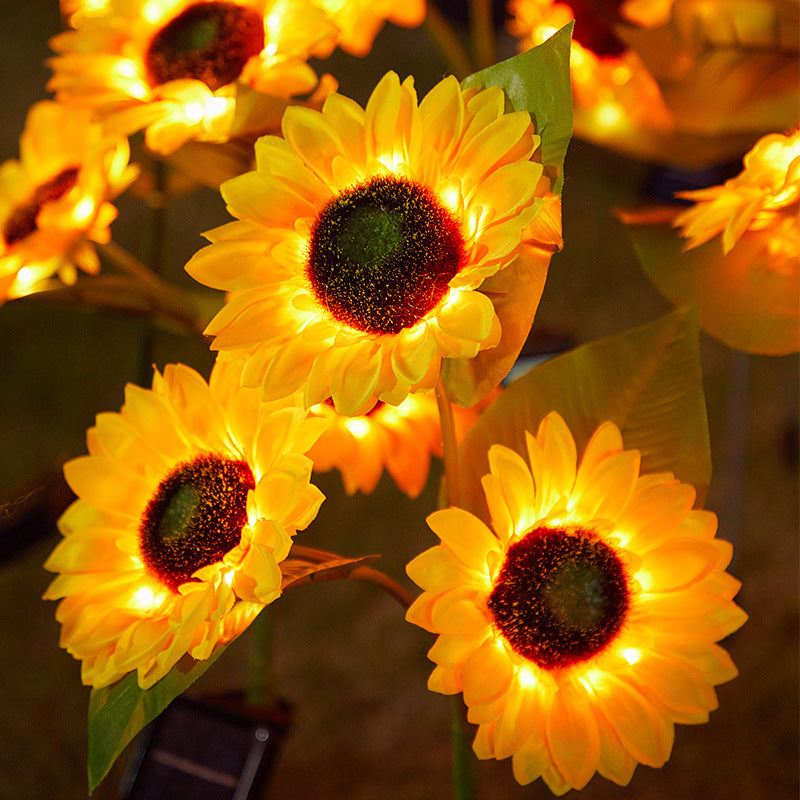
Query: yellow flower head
x,y
187,504
582,625
765,195
172,66
610,84
54,200
400,439
363,238
360,21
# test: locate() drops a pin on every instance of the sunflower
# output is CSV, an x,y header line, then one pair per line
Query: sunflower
x,y
610,83
400,439
187,504
765,195
362,240
582,625
360,21
172,67
54,200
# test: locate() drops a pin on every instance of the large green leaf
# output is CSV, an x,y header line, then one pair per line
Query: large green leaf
x,y
538,81
748,298
647,381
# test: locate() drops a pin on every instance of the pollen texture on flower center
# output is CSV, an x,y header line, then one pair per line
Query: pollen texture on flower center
x,y
560,597
195,516
209,42
22,221
382,255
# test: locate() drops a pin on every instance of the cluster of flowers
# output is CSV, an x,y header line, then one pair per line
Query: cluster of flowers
x,y
581,623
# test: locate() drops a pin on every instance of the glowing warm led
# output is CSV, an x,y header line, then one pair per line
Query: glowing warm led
x,y
153,11
609,115
145,598
526,677
595,678
194,112
83,210
358,427
645,580
631,654
26,276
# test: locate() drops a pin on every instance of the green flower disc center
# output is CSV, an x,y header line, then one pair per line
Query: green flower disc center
x,y
21,223
382,255
209,42
195,516
561,596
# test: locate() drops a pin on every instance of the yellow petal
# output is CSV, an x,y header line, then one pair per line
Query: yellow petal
x,y
465,535
486,674
100,481
572,737
609,487
640,726
517,486
553,457
457,611
436,570
530,761
467,315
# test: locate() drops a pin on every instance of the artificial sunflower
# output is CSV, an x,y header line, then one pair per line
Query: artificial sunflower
x,y
54,201
583,623
400,439
173,67
363,237
765,195
360,21
611,85
187,504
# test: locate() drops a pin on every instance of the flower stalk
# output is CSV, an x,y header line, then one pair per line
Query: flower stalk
x,y
449,445
445,38
482,31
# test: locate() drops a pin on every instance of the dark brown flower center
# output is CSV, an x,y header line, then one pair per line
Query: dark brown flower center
x,y
560,597
209,42
195,516
21,223
383,254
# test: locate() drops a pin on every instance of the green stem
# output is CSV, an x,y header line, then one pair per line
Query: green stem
x,y
449,446
446,39
463,763
158,201
260,687
481,23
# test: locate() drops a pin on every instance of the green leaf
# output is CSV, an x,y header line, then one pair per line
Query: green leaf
x,y
647,381
118,712
538,81
749,299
